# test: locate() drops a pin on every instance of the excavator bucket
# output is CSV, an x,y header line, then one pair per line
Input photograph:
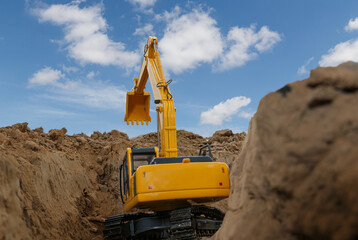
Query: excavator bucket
x,y
137,108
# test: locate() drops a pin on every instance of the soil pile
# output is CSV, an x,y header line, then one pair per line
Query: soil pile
x,y
55,186
297,175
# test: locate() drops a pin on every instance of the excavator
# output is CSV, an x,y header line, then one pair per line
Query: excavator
x,y
167,188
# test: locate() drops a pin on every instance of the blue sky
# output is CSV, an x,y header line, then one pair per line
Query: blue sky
x,y
70,63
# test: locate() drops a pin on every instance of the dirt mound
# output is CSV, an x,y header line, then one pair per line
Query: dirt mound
x,y
55,186
297,175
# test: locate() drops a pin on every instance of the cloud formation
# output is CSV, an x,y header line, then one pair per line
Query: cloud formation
x,y
344,51
143,3
244,44
224,111
247,115
303,69
46,76
50,76
352,25
94,94
193,38
145,30
189,40
85,35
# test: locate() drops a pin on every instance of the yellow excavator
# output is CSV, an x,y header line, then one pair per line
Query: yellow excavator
x,y
167,188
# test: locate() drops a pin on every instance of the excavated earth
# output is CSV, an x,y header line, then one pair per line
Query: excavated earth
x,y
293,177
56,186
297,175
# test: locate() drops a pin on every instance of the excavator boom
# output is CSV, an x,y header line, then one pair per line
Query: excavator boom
x,y
138,101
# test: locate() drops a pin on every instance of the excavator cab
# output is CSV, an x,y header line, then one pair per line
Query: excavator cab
x,y
137,108
137,157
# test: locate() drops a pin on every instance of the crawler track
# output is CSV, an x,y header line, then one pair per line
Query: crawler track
x,y
186,223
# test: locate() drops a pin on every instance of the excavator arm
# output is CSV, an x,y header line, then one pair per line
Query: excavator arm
x,y
138,101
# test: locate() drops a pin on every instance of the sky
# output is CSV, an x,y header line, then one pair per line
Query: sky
x,y
70,63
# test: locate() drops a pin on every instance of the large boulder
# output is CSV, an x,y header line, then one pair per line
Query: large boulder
x,y
297,175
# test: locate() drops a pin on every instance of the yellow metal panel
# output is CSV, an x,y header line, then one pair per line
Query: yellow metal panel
x,y
160,201
179,181
179,176
137,108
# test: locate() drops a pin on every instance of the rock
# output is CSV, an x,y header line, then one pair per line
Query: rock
x,y
22,127
82,139
39,130
96,219
118,134
99,160
7,143
223,133
32,145
96,135
55,134
297,175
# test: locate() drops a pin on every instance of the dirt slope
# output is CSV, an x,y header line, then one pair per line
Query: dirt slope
x,y
297,175
55,186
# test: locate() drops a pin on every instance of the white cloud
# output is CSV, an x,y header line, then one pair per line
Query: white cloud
x,y
190,40
85,35
352,25
146,30
91,74
342,52
143,3
193,38
246,115
69,69
169,15
303,69
51,111
244,44
266,39
224,111
52,77
46,76
96,94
